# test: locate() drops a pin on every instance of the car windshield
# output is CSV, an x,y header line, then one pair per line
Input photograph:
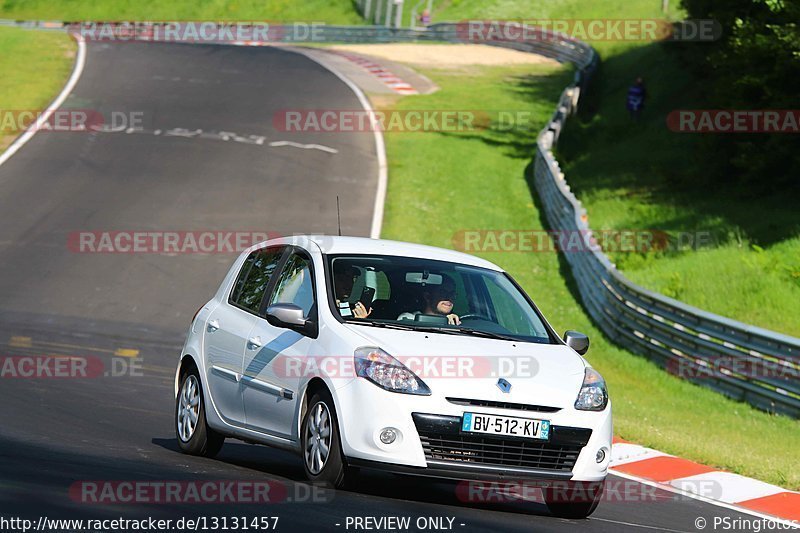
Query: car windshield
x,y
427,295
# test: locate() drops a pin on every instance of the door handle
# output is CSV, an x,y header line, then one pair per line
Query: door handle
x,y
254,343
213,325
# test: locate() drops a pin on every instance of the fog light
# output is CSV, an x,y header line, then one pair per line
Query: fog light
x,y
388,435
601,455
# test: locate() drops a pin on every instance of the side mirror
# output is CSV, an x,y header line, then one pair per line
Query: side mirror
x,y
286,316
577,341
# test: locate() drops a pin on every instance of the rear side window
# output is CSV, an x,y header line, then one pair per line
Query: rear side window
x,y
254,278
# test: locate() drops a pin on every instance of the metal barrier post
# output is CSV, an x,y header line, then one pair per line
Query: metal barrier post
x,y
367,6
398,14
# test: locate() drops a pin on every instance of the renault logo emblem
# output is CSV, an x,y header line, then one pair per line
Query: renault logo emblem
x,y
504,385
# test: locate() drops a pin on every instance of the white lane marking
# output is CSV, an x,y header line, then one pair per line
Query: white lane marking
x,y
380,147
218,136
77,70
709,501
306,146
592,518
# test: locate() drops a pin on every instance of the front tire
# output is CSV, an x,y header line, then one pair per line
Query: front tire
x,y
191,428
323,460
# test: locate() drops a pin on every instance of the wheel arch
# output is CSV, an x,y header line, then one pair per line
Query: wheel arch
x,y
187,362
314,384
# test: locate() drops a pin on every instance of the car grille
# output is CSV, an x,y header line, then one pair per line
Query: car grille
x,y
504,405
500,452
442,441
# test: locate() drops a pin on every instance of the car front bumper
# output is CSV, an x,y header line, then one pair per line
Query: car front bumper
x,y
430,442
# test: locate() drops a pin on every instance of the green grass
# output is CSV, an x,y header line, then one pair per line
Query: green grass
x,y
35,66
731,276
329,11
443,183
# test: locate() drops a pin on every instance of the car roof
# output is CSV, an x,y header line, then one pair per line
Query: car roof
x,y
332,244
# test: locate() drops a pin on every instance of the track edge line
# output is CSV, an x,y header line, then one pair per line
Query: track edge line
x,y
72,81
380,146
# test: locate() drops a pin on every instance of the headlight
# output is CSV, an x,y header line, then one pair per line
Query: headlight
x,y
387,372
593,395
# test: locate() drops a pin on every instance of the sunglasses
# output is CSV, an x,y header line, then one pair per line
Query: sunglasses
x,y
447,293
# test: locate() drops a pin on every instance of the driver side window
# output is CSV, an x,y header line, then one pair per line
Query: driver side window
x,y
295,285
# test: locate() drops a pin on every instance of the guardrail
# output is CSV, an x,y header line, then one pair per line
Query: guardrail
x,y
742,361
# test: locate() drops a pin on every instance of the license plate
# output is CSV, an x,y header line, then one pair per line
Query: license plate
x,y
509,426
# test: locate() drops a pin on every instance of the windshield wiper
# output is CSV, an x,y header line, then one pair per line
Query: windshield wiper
x,y
379,324
455,330
404,327
487,334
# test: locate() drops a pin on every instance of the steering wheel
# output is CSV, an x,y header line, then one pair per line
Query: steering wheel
x,y
473,316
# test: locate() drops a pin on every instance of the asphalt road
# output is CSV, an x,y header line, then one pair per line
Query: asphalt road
x,y
130,311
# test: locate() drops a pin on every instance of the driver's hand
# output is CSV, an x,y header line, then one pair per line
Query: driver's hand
x,y
452,319
360,311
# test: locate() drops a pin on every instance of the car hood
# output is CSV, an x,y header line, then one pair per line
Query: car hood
x,y
469,367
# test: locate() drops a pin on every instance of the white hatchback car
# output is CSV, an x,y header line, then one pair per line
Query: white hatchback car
x,y
360,353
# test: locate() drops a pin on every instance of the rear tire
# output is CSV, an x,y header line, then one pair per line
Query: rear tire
x,y
577,499
191,429
323,460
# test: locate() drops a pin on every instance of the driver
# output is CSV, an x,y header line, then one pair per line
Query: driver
x,y
438,301
343,280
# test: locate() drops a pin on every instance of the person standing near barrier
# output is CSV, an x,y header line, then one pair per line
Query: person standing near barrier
x,y
636,96
425,18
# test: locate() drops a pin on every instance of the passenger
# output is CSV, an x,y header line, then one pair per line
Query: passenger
x,y
438,301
